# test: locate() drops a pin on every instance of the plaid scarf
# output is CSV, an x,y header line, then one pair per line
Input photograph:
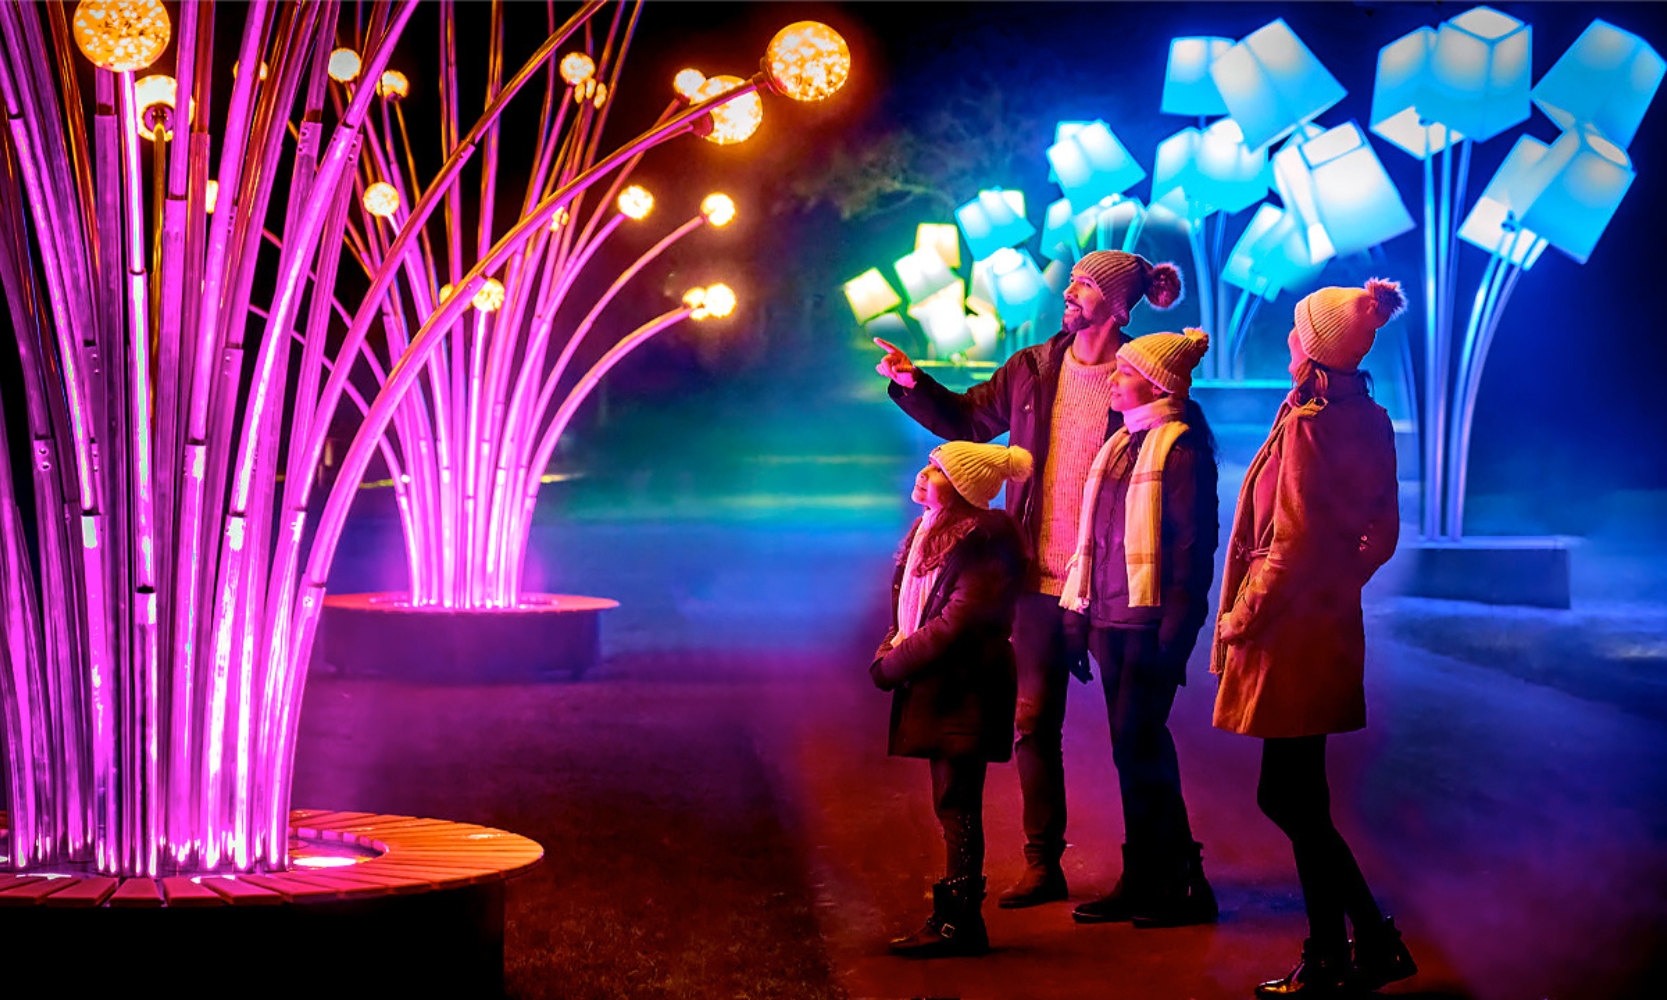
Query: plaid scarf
x,y
1143,513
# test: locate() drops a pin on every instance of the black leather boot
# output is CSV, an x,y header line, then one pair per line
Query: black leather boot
x,y
1180,895
1380,957
1320,973
1125,898
1043,881
956,926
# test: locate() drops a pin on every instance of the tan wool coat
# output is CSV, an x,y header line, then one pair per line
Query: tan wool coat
x,y
1317,516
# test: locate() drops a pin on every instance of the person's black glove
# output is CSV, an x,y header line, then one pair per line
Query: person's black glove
x,y
1076,646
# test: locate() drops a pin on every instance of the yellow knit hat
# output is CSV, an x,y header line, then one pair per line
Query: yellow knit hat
x,y
978,470
1336,326
1167,359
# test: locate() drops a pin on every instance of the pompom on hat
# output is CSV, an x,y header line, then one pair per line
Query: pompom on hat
x,y
977,471
1336,326
1167,359
1125,278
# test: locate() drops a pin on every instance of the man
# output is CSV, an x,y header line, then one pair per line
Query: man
x,y
1054,400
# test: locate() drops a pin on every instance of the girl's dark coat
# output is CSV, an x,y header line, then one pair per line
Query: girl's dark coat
x,y
953,678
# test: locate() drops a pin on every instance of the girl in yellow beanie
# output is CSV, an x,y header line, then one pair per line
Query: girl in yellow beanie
x,y
1145,555
949,663
1317,516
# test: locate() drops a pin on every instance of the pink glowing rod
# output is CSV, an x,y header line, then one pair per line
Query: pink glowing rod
x,y
153,646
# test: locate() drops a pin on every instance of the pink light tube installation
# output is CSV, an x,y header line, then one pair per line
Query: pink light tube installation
x,y
180,376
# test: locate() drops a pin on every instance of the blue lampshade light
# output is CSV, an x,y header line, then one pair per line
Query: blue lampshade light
x,y
1187,86
1494,222
870,294
1017,285
1574,190
1294,181
943,238
1607,79
1478,74
993,220
1271,83
1358,204
923,274
1404,68
1065,233
1090,164
1117,226
1214,168
1271,256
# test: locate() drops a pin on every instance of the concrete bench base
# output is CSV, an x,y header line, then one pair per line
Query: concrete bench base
x,y
1523,571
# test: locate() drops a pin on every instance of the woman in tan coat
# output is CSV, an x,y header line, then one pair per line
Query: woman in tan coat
x,y
1317,516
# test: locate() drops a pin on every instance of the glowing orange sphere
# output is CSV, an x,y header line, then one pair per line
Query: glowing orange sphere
x,y
393,85
716,302
121,35
576,68
154,98
807,61
736,120
344,65
687,81
381,200
719,209
635,202
490,296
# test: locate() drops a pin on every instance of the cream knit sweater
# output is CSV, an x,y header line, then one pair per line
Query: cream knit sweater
x,y
1080,411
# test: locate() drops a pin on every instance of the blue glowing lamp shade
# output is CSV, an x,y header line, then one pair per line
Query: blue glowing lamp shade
x,y
1607,79
1573,191
1187,86
942,238
1271,256
870,294
923,273
1215,167
1089,164
993,220
1017,284
1272,83
1494,222
1404,69
1357,202
1117,226
1479,74
1061,236
1294,180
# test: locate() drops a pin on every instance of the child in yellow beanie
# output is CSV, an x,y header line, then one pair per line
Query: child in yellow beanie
x,y
1145,556
949,662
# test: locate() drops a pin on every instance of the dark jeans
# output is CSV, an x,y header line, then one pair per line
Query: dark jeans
x,y
1140,689
1043,672
958,799
1294,794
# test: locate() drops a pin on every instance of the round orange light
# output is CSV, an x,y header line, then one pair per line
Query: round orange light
x,y
807,61
121,35
736,120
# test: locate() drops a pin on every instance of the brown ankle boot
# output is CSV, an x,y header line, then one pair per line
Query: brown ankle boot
x,y
956,926
1043,881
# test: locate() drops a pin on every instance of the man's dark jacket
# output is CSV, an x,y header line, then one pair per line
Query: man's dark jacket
x,y
1018,401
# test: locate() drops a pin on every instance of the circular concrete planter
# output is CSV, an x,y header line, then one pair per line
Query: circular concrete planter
x,y
549,636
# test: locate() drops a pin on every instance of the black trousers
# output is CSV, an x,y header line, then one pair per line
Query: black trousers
x,y
1294,794
1039,649
958,799
1140,690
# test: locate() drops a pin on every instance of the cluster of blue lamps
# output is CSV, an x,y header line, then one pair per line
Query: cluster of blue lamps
x,y
1438,91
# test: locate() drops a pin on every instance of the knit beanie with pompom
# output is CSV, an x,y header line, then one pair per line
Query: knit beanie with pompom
x,y
1167,359
1336,326
1124,278
977,471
